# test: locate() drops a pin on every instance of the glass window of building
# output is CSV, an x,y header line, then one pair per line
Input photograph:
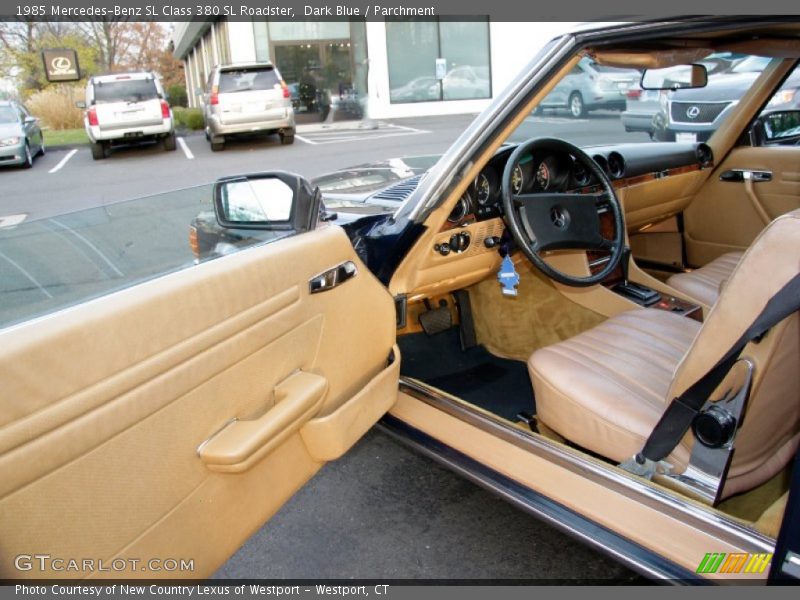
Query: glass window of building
x,y
460,48
323,64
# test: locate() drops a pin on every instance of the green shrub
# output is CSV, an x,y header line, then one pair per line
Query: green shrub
x,y
188,118
177,95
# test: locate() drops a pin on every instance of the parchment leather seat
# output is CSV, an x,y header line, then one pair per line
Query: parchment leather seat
x,y
704,284
606,388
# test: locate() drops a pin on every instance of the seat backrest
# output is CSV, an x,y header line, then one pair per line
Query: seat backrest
x,y
770,431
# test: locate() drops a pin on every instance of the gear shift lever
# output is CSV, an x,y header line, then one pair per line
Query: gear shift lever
x,y
625,264
638,293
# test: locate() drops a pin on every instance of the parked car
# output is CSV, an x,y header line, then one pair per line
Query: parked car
x,y
420,89
492,319
248,98
126,108
466,81
590,86
21,138
694,114
643,108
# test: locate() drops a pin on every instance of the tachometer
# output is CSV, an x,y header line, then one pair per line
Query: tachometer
x,y
483,189
516,180
543,176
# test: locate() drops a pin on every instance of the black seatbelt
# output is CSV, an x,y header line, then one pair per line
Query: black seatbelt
x,y
677,419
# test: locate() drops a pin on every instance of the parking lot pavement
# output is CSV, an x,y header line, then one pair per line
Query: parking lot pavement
x,y
80,182
385,512
360,132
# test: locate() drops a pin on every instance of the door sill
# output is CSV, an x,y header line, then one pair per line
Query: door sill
x,y
698,516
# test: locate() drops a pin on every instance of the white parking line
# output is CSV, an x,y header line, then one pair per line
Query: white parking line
x,y
412,129
12,220
64,160
185,148
302,139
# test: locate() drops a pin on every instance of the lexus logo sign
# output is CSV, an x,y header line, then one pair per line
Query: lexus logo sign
x,y
61,64
692,112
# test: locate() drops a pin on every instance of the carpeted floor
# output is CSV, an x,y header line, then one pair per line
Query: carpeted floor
x,y
499,385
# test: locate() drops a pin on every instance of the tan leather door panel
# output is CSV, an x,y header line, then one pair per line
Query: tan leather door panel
x,y
724,217
168,421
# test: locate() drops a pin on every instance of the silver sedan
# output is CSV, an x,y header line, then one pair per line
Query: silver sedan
x,y
21,138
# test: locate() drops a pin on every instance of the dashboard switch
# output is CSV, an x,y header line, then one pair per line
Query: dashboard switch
x,y
443,249
491,242
459,241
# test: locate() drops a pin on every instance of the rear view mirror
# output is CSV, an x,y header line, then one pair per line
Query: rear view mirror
x,y
268,201
776,127
674,78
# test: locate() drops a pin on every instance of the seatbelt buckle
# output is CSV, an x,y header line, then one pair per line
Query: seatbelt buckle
x,y
642,466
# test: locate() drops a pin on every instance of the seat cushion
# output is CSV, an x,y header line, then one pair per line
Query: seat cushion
x,y
704,284
605,389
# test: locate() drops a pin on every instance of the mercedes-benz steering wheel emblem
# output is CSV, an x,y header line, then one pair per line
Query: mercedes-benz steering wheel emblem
x,y
692,112
559,217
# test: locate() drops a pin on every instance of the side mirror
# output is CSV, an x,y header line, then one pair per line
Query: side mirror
x,y
675,78
271,201
776,127
30,119
81,104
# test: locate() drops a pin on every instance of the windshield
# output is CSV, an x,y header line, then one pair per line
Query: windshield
x,y
126,90
8,115
751,64
589,111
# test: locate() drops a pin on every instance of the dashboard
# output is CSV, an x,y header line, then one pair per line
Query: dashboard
x,y
464,249
555,172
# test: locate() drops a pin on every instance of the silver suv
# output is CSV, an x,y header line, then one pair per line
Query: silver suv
x,y
591,86
247,98
125,108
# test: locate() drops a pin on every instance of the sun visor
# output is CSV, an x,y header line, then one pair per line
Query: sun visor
x,y
650,59
772,48
662,58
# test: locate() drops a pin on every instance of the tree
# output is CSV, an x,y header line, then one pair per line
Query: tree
x,y
102,46
21,44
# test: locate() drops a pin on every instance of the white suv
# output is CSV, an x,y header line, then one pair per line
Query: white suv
x,y
126,108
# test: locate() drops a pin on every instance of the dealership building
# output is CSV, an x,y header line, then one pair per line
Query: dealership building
x,y
391,68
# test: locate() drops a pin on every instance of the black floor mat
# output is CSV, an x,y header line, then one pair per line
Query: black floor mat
x,y
498,385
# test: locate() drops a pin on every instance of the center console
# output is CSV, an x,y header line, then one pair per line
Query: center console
x,y
645,296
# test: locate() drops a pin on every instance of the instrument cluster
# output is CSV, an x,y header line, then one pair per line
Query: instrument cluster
x,y
533,174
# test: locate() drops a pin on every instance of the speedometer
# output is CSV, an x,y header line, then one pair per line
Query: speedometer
x,y
543,176
483,189
516,180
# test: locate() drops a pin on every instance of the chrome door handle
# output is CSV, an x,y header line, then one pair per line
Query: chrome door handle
x,y
332,277
746,175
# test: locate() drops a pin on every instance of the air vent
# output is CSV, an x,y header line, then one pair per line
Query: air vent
x,y
601,162
616,165
400,190
581,174
705,156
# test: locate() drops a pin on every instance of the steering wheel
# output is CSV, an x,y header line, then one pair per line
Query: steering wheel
x,y
545,221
